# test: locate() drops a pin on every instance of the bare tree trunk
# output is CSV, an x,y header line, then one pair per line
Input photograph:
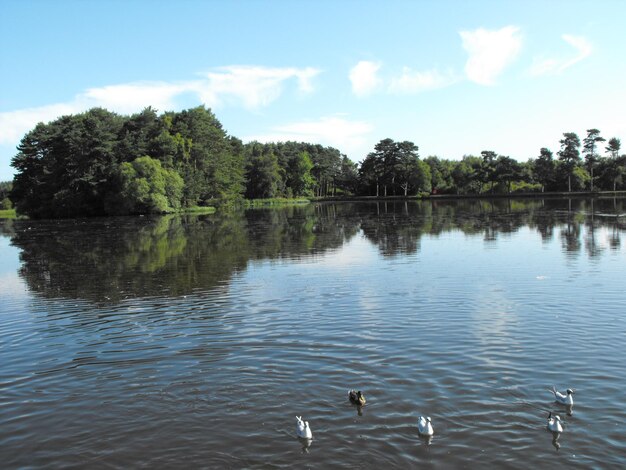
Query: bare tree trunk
x,y
569,183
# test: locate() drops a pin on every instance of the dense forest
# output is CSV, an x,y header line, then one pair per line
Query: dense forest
x,y
102,163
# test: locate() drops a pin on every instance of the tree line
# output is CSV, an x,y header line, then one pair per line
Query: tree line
x,y
395,168
102,163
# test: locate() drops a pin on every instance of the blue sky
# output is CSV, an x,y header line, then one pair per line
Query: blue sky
x,y
455,77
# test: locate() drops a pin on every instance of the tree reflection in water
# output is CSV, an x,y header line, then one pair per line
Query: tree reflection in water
x,y
109,259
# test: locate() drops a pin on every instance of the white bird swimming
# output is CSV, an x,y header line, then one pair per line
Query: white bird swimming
x,y
554,424
302,429
567,399
424,426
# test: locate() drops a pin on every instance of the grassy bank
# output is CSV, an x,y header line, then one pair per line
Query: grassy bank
x,y
199,210
276,201
560,194
425,196
8,214
11,214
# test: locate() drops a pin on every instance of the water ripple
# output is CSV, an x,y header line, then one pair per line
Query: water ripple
x,y
470,332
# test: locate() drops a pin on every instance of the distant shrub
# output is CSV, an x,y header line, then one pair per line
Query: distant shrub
x,y
524,187
6,204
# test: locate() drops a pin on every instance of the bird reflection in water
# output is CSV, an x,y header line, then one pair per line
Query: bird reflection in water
x,y
306,443
555,440
427,440
569,410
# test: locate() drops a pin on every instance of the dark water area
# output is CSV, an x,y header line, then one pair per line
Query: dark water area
x,y
194,341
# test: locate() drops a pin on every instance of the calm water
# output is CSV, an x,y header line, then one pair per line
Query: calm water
x,y
182,342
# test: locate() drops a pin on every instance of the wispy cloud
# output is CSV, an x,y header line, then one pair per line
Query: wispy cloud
x,y
490,52
364,77
251,86
552,66
248,86
335,131
366,80
412,81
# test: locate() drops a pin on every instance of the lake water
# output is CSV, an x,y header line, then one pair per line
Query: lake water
x,y
186,342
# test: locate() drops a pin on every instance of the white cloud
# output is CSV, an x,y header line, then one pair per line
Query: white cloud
x,y
253,86
553,66
349,136
415,82
363,77
250,86
132,97
14,124
490,52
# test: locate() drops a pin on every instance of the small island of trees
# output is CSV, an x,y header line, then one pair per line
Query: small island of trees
x,y
101,163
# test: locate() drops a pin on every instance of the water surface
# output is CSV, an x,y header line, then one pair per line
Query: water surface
x,y
180,342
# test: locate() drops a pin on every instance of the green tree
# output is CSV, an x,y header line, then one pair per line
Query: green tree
x,y
214,166
589,150
5,191
614,166
295,176
465,175
422,179
507,170
487,170
228,172
371,173
347,180
139,136
441,174
569,155
64,168
326,167
393,164
264,178
407,169
386,152
299,176
543,168
146,187
613,147
170,147
611,173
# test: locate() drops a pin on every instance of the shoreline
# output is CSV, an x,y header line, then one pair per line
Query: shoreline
x,y
566,195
